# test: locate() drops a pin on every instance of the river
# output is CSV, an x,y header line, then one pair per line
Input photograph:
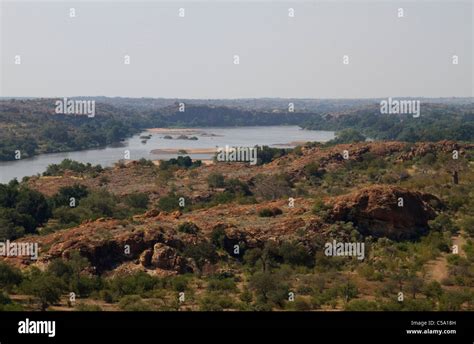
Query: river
x,y
275,136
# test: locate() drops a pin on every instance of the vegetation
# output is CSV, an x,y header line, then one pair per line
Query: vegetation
x,y
237,260
438,122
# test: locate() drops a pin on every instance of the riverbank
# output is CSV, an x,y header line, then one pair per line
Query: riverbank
x,y
159,148
184,151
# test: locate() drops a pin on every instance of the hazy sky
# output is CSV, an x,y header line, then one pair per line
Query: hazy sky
x,y
193,57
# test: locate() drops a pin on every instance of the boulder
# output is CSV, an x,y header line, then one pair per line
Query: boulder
x,y
167,258
386,211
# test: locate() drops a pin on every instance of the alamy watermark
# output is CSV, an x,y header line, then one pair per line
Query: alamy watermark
x,y
19,249
345,249
394,106
237,154
67,106
28,326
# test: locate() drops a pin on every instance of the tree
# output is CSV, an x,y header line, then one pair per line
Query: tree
x,y
348,136
46,287
9,276
99,204
269,287
349,291
65,193
33,203
433,290
415,285
296,254
201,253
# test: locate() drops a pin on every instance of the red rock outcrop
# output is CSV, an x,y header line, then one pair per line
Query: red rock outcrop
x,y
386,211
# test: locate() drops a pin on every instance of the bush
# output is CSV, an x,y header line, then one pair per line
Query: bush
x,y
9,276
246,296
225,284
145,163
321,209
46,287
268,154
216,180
347,136
433,290
272,187
138,283
106,296
133,303
201,253
237,187
269,287
467,224
349,291
361,305
296,254
313,171
301,305
270,212
215,303
453,300
443,222
22,210
188,227
168,203
4,298
71,165
65,193
179,162
180,283
218,236
98,204
137,200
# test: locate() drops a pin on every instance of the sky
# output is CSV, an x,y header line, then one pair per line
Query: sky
x,y
279,56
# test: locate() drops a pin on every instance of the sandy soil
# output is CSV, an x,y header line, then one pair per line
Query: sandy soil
x,y
188,150
203,161
438,269
175,131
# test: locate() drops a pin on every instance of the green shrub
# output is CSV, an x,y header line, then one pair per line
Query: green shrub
x,y
168,203
225,284
218,236
137,200
270,212
301,305
45,286
216,180
361,305
270,287
9,276
137,283
321,209
188,227
134,303
201,253
296,254
443,222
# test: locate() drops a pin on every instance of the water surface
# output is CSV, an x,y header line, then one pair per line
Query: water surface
x,y
275,136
